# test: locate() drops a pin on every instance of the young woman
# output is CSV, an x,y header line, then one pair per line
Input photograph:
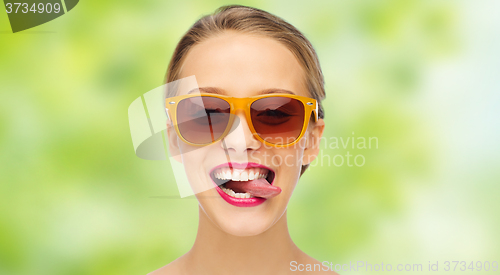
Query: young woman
x,y
248,133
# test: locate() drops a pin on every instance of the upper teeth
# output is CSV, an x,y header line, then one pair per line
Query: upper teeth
x,y
240,174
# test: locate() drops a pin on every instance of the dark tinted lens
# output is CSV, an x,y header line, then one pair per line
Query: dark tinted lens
x,y
202,119
278,120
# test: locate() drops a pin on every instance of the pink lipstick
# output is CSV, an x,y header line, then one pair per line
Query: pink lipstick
x,y
244,184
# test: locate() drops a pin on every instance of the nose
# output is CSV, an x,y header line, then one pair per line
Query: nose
x,y
240,139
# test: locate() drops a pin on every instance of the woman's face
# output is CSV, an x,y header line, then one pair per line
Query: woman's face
x,y
243,65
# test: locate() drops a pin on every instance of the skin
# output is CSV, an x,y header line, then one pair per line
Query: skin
x,y
249,240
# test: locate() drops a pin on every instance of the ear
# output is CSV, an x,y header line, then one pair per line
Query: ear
x,y
173,142
313,138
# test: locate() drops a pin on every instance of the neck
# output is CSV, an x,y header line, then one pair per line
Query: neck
x,y
270,251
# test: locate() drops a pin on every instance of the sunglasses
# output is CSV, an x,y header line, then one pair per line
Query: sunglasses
x,y
274,119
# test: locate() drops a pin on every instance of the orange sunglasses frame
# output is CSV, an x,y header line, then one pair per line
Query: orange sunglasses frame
x,y
237,103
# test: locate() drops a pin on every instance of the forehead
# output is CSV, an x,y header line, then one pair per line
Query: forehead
x,y
244,65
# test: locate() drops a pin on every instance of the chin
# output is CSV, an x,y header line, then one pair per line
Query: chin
x,y
244,226
245,231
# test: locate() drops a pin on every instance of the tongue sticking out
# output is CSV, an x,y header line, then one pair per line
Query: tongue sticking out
x,y
257,188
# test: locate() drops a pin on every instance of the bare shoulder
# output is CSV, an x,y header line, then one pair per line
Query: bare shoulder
x,y
173,268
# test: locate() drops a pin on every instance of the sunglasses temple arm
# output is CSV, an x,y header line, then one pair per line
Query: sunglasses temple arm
x,y
316,115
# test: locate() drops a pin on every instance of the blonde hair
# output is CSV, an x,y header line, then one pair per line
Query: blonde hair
x,y
253,21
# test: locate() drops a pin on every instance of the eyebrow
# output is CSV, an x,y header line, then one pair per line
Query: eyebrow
x,y
210,90
276,91
214,90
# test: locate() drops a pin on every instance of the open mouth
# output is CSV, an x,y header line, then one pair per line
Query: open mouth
x,y
246,183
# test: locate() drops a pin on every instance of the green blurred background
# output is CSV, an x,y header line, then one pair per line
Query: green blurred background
x,y
420,75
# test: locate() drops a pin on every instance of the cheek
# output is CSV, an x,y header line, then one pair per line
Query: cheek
x,y
288,158
197,163
191,155
192,160
288,163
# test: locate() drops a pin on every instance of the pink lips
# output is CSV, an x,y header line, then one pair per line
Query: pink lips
x,y
240,202
241,166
